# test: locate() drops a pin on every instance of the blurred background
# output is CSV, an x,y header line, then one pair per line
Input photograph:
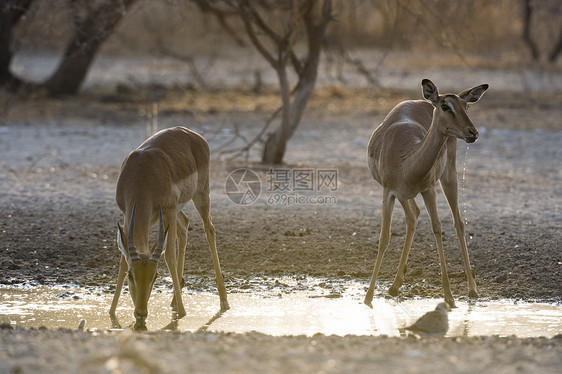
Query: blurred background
x,y
477,32
276,52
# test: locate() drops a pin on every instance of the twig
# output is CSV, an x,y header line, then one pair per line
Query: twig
x,y
190,61
423,23
245,150
161,48
356,63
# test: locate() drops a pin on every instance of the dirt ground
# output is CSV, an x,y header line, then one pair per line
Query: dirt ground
x,y
60,162
24,351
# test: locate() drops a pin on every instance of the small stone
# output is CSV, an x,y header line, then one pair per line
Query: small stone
x,y
501,278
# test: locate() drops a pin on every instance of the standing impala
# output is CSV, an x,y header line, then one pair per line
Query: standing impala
x,y
414,147
167,170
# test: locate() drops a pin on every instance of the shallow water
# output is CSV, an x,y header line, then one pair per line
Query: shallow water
x,y
270,312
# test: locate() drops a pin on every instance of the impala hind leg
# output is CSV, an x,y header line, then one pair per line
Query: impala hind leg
x,y
202,203
387,206
429,199
182,229
412,212
172,261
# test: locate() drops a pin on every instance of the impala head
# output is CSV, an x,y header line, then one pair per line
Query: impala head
x,y
450,110
142,268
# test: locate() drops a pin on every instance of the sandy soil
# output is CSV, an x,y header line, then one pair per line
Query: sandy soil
x,y
60,161
26,351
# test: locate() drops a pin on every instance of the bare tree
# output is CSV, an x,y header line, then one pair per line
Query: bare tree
x,y
557,47
275,28
527,13
11,11
90,32
94,22
529,10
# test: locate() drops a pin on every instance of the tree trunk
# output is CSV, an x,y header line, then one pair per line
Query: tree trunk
x,y
10,13
83,47
276,144
557,48
528,12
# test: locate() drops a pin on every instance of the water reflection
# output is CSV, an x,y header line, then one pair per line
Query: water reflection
x,y
274,313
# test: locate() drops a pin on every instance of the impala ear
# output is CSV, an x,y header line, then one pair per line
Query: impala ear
x,y
120,244
429,91
473,94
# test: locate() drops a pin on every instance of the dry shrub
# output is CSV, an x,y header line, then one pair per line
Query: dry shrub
x,y
476,27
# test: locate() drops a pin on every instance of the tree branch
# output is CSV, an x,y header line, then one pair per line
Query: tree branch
x,y
245,150
248,25
221,15
422,22
356,63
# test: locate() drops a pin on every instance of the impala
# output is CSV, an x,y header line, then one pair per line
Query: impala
x,y
167,170
413,148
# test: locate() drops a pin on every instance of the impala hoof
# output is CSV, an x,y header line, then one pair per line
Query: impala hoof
x,y
393,291
473,294
140,326
181,314
115,322
172,326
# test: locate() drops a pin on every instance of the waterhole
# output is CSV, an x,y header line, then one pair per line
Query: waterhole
x,y
275,313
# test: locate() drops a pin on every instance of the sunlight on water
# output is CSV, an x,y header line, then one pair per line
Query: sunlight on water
x,y
274,313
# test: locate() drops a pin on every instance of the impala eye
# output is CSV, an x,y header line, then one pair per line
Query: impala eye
x,y
445,108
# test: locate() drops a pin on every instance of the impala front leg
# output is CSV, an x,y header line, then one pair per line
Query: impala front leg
x,y
429,199
171,262
118,288
450,190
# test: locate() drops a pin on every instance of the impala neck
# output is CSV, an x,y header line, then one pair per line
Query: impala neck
x,y
143,215
426,155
